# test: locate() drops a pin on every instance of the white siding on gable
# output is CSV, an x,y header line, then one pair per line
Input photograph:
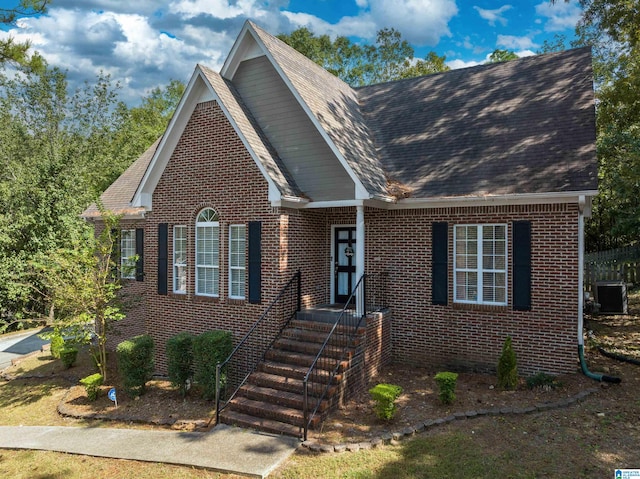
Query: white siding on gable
x,y
315,168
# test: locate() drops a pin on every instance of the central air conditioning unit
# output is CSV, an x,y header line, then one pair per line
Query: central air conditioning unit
x,y
612,296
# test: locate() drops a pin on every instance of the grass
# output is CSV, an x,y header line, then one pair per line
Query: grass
x,y
52,465
588,440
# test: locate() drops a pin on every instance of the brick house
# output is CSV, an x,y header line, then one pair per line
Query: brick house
x,y
460,196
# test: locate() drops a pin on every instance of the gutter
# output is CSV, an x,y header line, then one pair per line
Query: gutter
x,y
583,363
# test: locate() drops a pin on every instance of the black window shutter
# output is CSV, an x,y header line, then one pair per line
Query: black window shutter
x,y
115,252
140,254
163,240
522,265
255,265
439,263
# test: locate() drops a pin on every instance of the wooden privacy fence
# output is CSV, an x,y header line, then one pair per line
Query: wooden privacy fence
x,y
622,264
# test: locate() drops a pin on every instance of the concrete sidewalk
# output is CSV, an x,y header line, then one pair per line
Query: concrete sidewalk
x,y
223,449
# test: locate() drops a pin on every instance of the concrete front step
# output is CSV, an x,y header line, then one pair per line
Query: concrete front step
x,y
235,418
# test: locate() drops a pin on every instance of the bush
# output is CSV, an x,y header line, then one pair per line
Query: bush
x,y
57,344
209,349
135,363
446,382
180,360
92,385
68,356
385,396
507,366
543,381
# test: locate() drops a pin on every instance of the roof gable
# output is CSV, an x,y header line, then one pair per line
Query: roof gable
x,y
206,85
330,104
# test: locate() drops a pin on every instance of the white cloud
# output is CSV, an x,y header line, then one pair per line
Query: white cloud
x,y
493,16
421,22
560,15
361,26
515,43
216,8
457,64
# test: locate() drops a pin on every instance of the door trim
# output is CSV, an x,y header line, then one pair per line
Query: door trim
x,y
332,276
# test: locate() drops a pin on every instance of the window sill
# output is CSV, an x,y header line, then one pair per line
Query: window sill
x,y
480,307
206,299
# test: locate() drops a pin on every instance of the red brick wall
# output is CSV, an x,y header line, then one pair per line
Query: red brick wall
x,y
211,168
469,336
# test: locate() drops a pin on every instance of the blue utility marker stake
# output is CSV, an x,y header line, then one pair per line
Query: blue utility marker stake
x,y
112,396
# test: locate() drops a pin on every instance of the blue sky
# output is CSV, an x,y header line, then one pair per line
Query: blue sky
x,y
146,43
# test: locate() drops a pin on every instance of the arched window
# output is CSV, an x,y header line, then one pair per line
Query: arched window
x,y
207,253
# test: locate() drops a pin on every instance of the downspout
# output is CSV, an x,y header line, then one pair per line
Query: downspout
x,y
583,363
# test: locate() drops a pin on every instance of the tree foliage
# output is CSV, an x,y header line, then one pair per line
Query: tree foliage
x,y
498,56
59,150
391,58
17,53
78,280
611,27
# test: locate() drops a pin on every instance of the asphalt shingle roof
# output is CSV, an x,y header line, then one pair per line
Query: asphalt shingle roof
x,y
524,126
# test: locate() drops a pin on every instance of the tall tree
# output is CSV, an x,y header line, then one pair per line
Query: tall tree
x,y
145,123
17,53
48,163
611,27
391,58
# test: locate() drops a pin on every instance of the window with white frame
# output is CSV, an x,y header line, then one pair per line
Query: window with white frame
x,y
207,253
237,268
480,267
180,259
128,254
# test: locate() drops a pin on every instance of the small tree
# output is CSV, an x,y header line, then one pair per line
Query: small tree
x,y
83,289
507,366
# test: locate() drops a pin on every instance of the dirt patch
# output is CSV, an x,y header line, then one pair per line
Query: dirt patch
x,y
163,406
419,402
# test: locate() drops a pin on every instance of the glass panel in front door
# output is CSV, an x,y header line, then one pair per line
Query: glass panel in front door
x,y
345,263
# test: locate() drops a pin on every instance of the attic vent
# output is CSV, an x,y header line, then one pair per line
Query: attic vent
x,y
612,296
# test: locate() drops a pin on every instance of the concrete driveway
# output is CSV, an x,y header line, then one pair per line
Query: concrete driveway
x,y
15,345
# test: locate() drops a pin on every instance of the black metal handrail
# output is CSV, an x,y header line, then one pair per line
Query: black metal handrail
x,y
246,356
342,336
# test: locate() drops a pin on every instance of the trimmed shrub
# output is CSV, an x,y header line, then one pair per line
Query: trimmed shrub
x,y
508,366
57,344
92,385
180,360
135,363
68,356
209,349
446,382
385,396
